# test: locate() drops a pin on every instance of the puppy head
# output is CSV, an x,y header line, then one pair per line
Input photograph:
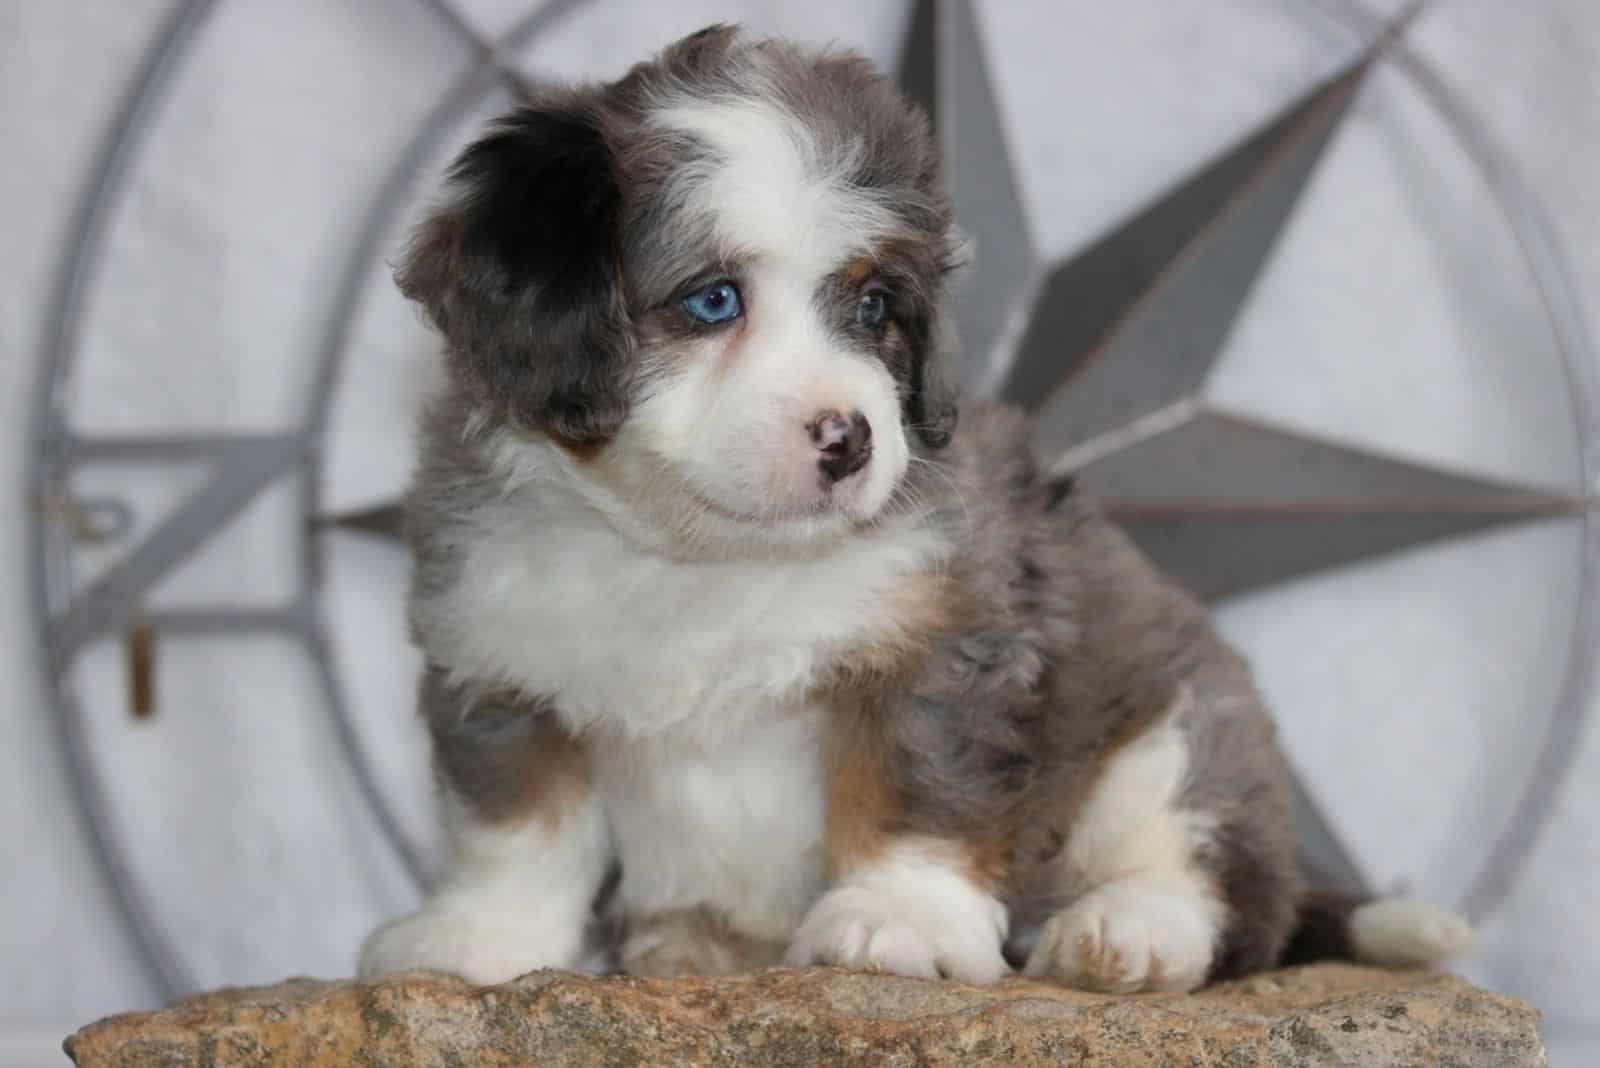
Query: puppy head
x,y
717,284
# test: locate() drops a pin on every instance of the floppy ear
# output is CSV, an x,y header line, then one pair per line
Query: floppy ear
x,y
935,390
520,271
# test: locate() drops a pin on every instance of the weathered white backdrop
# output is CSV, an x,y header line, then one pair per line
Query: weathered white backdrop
x,y
1394,314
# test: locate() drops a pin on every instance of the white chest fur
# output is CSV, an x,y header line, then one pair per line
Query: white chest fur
x,y
737,826
554,602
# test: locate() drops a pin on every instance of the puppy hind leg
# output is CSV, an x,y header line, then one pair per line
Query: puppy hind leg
x,y
1147,915
1126,937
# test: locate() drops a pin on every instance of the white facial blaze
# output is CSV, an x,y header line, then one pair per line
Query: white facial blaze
x,y
770,187
730,425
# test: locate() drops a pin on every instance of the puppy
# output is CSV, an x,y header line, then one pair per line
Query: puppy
x,y
714,593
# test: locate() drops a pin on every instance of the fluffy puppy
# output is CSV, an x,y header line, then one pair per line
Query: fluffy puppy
x,y
715,595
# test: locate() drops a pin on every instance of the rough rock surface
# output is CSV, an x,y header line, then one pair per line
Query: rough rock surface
x,y
1321,1015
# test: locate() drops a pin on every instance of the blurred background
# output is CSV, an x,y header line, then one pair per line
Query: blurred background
x,y
1431,696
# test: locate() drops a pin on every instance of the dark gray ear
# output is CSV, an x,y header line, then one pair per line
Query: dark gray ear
x,y
935,389
521,273
935,393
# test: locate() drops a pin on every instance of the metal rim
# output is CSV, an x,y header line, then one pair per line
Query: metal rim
x,y
50,437
1546,262
47,431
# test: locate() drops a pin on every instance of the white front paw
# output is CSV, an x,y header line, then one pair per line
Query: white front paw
x,y
903,934
482,948
1124,938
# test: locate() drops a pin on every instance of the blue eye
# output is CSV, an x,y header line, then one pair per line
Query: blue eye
x,y
872,309
716,303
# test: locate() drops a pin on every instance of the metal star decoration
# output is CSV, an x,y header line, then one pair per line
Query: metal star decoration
x,y
1110,349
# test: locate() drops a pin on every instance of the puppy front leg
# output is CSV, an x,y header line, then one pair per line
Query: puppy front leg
x,y
900,903
914,911
530,847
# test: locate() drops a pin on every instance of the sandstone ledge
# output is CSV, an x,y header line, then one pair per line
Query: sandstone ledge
x,y
1321,1015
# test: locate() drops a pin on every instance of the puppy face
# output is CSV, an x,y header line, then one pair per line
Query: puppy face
x,y
716,284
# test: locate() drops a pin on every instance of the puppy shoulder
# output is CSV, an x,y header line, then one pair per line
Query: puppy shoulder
x,y
991,444
454,485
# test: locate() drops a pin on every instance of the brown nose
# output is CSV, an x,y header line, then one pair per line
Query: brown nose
x,y
845,444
